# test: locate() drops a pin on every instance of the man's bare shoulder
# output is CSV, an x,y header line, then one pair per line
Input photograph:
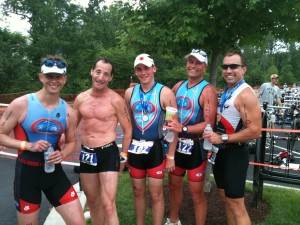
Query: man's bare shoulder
x,y
19,103
176,86
166,91
248,97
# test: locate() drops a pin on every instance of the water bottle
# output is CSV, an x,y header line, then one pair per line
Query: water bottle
x,y
169,136
48,167
207,145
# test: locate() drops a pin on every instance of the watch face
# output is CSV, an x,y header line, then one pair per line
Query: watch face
x,y
184,129
224,137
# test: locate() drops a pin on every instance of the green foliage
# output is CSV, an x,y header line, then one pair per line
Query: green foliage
x,y
165,29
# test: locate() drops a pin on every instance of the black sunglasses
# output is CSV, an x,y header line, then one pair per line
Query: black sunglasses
x,y
231,66
51,63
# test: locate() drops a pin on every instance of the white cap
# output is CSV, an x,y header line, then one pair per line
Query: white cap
x,y
199,54
144,59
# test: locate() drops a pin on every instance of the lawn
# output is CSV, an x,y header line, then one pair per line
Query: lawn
x,y
284,204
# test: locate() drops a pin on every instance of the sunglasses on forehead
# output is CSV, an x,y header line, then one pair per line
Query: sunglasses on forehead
x,y
231,66
51,63
201,52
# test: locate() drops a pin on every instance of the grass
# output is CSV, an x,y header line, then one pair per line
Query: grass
x,y
284,203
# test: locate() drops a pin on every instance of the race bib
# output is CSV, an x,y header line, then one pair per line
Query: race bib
x,y
185,146
140,147
88,158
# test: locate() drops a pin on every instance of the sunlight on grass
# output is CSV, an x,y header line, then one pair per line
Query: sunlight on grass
x,y
284,203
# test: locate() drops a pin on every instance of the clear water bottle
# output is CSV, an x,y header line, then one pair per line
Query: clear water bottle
x,y
48,167
207,145
169,136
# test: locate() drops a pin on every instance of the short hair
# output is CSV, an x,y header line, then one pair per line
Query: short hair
x,y
105,60
237,52
53,57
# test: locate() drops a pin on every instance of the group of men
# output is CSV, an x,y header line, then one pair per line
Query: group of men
x,y
39,119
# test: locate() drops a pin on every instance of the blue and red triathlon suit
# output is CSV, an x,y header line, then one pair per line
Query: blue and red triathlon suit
x,y
190,155
146,154
30,178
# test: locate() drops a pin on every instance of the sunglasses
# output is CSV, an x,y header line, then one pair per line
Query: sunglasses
x,y
201,52
231,66
51,63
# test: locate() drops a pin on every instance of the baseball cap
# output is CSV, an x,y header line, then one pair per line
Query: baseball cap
x,y
199,54
274,76
144,59
50,66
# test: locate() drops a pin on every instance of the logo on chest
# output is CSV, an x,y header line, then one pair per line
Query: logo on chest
x,y
47,126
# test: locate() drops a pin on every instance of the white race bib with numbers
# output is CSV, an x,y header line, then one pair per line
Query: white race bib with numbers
x,y
140,147
88,158
185,146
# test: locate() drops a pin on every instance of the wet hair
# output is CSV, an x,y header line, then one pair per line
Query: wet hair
x,y
237,52
104,60
55,58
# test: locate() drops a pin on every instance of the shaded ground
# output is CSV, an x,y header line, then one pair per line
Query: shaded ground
x,y
216,210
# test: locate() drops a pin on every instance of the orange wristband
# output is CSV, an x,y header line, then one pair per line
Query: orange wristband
x,y
170,157
124,154
23,145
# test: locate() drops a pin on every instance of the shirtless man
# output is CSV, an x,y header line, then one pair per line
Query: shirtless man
x,y
39,120
100,109
147,102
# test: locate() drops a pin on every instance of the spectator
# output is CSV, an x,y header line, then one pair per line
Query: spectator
x,y
269,92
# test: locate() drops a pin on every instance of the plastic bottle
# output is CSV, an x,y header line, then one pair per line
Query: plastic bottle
x,y
48,167
169,136
207,145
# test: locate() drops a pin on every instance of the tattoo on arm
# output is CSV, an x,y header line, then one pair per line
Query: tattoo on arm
x,y
126,114
246,116
207,109
6,119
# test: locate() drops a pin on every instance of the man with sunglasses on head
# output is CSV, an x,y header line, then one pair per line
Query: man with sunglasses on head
x,y
197,106
238,121
269,92
146,159
38,121
100,109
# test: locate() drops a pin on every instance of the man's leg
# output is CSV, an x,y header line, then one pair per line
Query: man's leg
x,y
91,187
236,211
157,197
199,200
139,193
108,183
72,213
31,218
176,196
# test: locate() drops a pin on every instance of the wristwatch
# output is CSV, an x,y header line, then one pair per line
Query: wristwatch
x,y
224,138
184,129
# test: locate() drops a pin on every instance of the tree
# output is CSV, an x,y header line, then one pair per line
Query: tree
x,y
176,26
14,66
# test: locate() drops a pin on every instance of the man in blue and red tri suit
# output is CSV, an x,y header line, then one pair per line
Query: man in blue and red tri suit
x,y
38,121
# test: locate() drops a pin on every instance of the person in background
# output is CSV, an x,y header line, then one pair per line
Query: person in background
x,y
100,109
269,92
238,121
38,120
147,102
197,106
